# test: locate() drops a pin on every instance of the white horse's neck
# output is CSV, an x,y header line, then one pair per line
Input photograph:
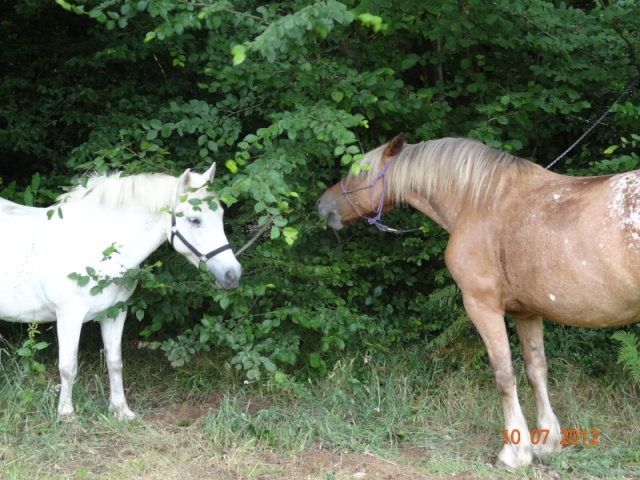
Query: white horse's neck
x,y
130,212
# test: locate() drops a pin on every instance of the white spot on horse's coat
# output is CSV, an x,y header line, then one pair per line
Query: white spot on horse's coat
x,y
552,297
566,241
556,196
584,262
625,205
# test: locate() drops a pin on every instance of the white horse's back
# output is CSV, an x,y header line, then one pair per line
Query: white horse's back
x,y
22,228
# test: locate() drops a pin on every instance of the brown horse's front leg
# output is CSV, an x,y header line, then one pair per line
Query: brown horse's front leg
x,y
518,450
531,338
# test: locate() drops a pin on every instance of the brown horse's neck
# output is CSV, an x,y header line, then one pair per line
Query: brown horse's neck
x,y
443,216
445,208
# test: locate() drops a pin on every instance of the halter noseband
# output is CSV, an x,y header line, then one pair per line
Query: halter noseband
x,y
375,220
203,257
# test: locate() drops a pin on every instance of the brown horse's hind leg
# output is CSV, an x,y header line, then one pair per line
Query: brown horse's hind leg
x,y
530,332
518,450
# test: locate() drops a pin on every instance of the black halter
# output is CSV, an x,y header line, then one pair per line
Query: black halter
x,y
194,250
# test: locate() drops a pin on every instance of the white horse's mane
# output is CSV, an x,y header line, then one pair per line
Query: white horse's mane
x,y
147,191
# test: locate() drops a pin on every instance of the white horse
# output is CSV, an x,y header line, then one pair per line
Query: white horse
x,y
111,225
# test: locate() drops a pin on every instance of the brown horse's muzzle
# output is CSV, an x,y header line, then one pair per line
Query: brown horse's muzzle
x,y
328,207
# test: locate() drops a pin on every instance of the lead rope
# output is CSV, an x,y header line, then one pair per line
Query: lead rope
x,y
631,85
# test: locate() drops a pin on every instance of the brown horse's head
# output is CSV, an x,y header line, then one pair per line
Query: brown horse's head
x,y
360,195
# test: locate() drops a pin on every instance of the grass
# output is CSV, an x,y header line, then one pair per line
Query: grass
x,y
393,416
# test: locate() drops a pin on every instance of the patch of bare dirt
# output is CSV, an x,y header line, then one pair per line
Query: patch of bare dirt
x,y
314,463
367,466
177,417
184,415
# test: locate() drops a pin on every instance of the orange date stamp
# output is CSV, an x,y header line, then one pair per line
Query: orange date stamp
x,y
572,436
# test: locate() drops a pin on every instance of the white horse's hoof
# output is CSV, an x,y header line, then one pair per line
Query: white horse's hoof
x,y
67,417
124,414
66,413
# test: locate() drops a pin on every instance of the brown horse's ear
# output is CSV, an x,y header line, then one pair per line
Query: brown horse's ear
x,y
394,147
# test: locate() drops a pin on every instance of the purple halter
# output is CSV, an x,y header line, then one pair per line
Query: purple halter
x,y
375,220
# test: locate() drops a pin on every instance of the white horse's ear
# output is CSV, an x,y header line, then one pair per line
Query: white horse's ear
x,y
209,174
184,180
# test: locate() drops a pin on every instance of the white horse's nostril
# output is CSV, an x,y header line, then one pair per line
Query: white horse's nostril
x,y
231,279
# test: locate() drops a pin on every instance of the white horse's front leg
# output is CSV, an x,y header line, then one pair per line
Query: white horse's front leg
x,y
68,326
112,338
518,450
530,331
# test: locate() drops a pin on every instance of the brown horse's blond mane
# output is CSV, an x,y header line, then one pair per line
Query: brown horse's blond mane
x,y
450,165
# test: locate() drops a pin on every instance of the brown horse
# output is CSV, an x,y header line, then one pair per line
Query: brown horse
x,y
523,241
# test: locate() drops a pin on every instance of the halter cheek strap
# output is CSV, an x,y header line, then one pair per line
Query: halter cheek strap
x,y
203,257
377,210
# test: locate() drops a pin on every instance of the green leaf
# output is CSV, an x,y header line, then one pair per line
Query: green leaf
x,y
41,345
231,165
28,197
64,4
280,221
239,53
35,182
314,360
24,352
109,251
81,280
290,234
166,130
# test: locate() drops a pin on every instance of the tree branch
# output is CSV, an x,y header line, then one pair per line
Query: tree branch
x,y
255,237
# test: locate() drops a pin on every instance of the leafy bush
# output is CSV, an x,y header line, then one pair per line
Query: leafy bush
x,y
286,96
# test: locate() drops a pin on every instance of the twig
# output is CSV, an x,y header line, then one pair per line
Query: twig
x,y
625,39
337,238
367,452
255,237
161,69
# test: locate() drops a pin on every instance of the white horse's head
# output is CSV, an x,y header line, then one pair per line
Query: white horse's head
x,y
197,231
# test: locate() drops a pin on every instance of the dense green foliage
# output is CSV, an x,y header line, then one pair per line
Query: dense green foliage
x,y
285,96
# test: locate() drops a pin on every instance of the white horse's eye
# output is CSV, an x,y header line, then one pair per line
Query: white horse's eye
x,y
195,221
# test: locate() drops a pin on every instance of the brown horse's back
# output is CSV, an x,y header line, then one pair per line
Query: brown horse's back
x,y
569,249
